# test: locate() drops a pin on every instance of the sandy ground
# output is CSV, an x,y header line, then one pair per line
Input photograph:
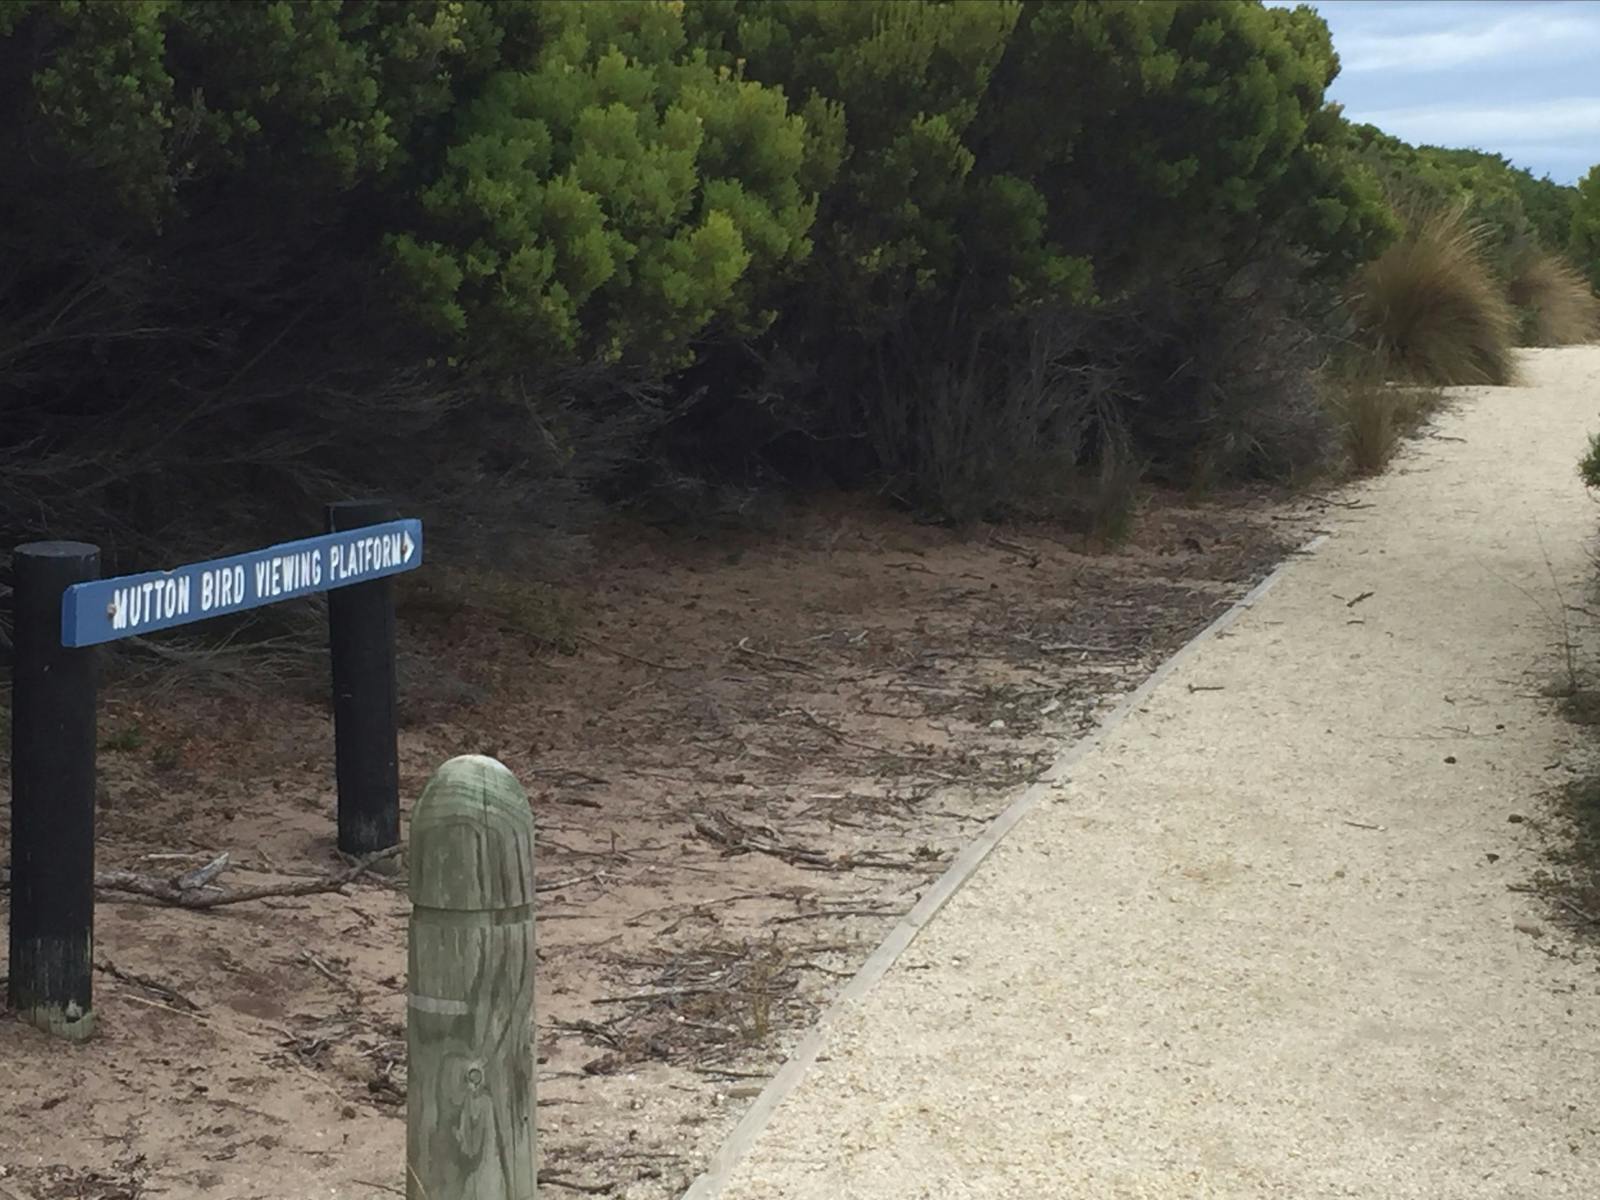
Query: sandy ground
x,y
1263,941
758,750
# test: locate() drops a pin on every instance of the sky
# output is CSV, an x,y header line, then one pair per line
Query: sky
x,y
1516,77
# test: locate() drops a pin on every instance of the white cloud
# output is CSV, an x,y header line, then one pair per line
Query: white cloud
x,y
1538,122
1549,32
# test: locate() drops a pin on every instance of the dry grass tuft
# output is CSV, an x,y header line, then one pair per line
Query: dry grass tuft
x,y
1374,418
1430,309
1557,305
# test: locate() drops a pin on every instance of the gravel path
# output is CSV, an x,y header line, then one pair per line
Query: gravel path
x,y
1253,944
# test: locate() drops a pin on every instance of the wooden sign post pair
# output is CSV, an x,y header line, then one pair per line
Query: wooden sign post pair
x,y
63,609
470,1082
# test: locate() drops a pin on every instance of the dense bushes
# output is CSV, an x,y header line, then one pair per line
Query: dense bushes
x,y
195,335
989,256
1583,238
608,200
1485,235
1007,168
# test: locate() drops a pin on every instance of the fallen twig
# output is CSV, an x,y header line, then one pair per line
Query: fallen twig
x,y
149,1003
168,892
555,885
649,662
1359,599
546,1179
201,876
322,968
565,774
727,832
596,1031
840,912
743,647
844,740
1577,911
667,994
154,986
1016,548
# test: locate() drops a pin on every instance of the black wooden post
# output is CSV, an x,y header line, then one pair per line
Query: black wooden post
x,y
52,796
362,640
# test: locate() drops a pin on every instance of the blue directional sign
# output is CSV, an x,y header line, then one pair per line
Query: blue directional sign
x,y
132,605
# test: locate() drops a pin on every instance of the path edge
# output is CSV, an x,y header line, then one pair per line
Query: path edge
x,y
708,1185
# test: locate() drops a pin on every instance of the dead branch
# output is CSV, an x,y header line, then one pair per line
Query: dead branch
x,y
380,1187
743,646
725,831
564,775
200,876
649,662
154,986
555,885
168,891
844,740
547,1179
1576,911
668,994
840,912
1015,548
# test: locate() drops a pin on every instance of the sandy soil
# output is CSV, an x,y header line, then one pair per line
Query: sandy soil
x,y
763,748
1268,939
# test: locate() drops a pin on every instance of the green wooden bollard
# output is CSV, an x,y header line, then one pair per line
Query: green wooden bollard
x,y
469,1025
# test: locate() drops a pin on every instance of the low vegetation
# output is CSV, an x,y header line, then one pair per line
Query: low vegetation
x,y
1577,877
1429,309
1556,305
1571,881
523,264
1376,417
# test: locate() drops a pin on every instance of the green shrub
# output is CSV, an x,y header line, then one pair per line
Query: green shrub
x,y
193,320
1171,136
893,91
1430,310
1583,239
1003,164
1589,464
1002,255
1520,215
262,255
609,200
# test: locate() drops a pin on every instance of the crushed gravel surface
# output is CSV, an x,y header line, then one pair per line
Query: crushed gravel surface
x,y
1261,942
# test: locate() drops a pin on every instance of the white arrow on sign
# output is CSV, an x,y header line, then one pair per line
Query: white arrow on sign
x,y
407,546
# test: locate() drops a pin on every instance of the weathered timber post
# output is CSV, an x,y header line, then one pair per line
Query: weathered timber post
x,y
52,797
469,1024
361,642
